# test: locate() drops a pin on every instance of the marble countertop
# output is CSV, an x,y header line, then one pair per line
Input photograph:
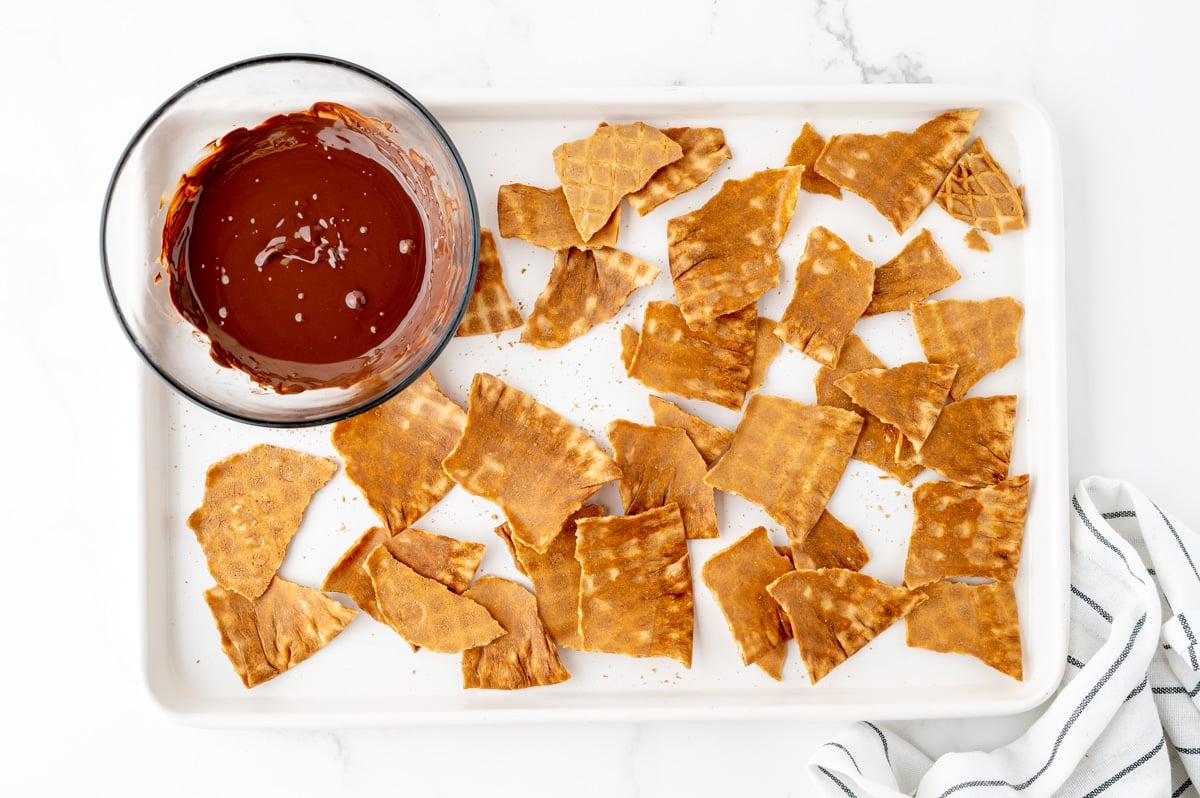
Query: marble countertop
x,y
78,79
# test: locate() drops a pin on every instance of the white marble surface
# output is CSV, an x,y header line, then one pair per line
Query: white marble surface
x,y
77,79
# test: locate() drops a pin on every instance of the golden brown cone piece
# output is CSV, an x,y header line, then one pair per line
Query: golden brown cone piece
x,y
977,191
524,656
877,441
424,611
787,457
804,152
830,544
709,439
348,577
712,363
254,501
704,150
972,441
722,255
833,288
738,577
598,171
532,462
586,287
979,620
635,592
273,633
661,466
909,397
978,336
394,452
835,612
444,559
555,577
541,217
491,309
975,240
773,661
897,172
629,345
959,531
917,272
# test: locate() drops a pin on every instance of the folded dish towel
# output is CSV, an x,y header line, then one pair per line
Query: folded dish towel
x,y
1126,719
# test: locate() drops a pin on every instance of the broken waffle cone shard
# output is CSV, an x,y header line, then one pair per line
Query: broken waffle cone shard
x,y
978,620
961,531
444,559
348,577
254,502
704,149
898,172
273,633
598,171
787,457
723,255
490,309
830,544
835,612
977,191
661,466
635,592
585,288
394,452
737,577
833,288
804,152
917,272
972,441
766,347
909,397
978,336
425,612
711,363
526,458
524,656
541,217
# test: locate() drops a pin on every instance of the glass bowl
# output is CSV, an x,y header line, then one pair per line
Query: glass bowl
x,y
181,132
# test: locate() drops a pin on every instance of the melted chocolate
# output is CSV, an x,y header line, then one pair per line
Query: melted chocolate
x,y
296,248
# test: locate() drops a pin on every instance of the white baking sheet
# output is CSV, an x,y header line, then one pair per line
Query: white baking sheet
x,y
369,676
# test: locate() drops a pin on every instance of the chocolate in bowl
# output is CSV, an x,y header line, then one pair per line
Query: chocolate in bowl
x,y
171,263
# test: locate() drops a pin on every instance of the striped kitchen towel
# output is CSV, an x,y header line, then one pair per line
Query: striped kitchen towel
x,y
1126,719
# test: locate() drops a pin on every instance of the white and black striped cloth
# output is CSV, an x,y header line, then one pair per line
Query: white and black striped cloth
x,y
1126,719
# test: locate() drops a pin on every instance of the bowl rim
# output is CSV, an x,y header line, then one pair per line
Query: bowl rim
x,y
247,63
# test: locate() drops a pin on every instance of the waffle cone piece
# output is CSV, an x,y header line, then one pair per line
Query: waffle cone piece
x,y
491,309
598,171
804,152
916,273
978,336
254,502
959,531
977,191
787,457
830,544
738,577
979,620
898,173
709,439
722,255
972,441
835,612
532,462
273,633
909,397
833,288
525,655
